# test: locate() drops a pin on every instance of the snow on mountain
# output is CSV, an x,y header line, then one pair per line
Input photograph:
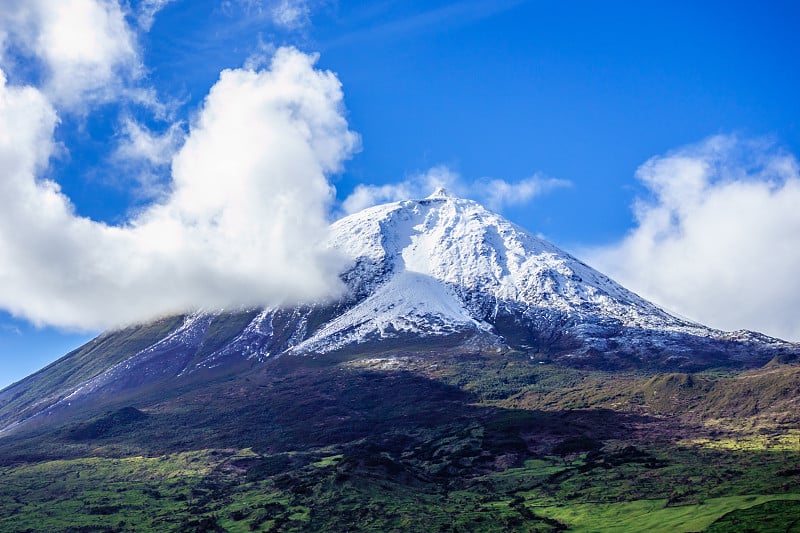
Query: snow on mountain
x,y
442,264
445,267
440,273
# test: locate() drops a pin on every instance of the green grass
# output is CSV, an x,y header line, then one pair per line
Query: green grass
x,y
140,492
653,515
788,441
332,492
331,460
774,515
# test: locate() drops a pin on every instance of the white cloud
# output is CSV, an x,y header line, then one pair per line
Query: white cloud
x,y
86,48
143,157
719,241
500,194
495,193
291,14
261,55
417,186
147,12
140,143
286,14
248,204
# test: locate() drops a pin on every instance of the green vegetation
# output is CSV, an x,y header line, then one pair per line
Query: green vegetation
x,y
656,515
419,443
229,490
774,515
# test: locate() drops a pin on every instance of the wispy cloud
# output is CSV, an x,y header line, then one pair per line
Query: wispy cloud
x,y
140,143
718,240
147,12
291,14
288,15
449,16
499,194
495,193
11,328
143,156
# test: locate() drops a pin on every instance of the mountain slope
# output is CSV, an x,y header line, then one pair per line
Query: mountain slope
x,y
444,265
472,377
439,273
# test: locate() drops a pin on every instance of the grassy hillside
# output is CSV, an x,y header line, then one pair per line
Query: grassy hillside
x,y
410,443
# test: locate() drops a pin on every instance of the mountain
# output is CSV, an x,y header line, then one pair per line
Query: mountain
x,y
446,266
471,377
440,273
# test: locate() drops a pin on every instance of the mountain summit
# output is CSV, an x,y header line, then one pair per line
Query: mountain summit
x,y
436,275
445,266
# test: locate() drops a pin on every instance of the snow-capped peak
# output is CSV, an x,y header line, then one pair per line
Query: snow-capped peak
x,y
441,194
439,273
432,267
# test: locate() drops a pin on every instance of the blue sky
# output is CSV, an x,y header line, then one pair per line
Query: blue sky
x,y
657,140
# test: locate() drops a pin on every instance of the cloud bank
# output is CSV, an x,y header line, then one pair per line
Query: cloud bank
x,y
495,193
247,205
719,239
84,48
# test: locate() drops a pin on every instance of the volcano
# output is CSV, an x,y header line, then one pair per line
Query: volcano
x,y
440,274
470,376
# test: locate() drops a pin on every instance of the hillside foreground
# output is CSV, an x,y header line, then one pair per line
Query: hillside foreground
x,y
420,442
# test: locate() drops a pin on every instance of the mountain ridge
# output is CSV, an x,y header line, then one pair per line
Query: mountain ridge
x,y
472,377
474,266
439,271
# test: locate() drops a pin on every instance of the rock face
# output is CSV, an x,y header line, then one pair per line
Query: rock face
x,y
441,274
